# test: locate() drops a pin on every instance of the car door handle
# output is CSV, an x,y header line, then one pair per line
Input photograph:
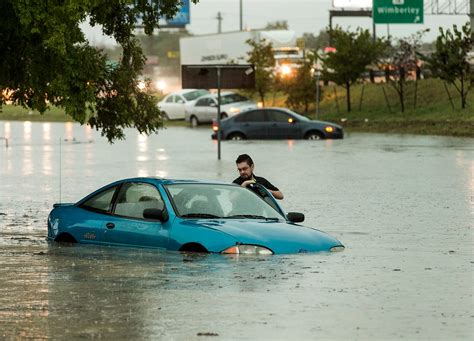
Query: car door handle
x,y
110,225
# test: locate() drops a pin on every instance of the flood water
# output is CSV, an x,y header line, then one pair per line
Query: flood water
x,y
402,205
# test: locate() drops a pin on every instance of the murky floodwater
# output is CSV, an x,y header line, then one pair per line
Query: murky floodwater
x,y
402,205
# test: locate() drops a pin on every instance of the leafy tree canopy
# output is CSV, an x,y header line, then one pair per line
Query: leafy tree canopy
x,y
449,62
277,25
354,52
46,60
261,55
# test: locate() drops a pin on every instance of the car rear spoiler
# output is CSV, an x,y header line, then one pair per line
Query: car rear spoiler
x,y
62,204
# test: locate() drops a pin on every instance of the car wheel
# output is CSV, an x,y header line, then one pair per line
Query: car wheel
x,y
224,115
164,116
314,135
194,121
236,137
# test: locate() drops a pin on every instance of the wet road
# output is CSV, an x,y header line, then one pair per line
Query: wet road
x,y
402,205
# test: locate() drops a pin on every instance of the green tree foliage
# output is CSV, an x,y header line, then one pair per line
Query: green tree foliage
x,y
46,60
318,42
277,25
261,56
449,61
301,89
354,52
401,60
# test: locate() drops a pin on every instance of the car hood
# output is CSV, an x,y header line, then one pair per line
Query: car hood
x,y
281,237
324,123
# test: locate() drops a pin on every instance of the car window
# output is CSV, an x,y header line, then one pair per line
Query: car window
x,y
277,116
233,98
203,102
251,116
192,95
223,201
170,99
134,198
101,202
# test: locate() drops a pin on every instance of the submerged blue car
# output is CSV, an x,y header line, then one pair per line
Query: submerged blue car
x,y
187,216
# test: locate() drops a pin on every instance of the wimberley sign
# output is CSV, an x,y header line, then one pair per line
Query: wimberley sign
x,y
398,11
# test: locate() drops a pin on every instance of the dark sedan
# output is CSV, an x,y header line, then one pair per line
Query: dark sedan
x,y
275,123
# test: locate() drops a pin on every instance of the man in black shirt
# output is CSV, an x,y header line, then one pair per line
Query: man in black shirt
x,y
245,166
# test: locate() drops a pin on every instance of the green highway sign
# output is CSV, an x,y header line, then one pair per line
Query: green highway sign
x,y
398,11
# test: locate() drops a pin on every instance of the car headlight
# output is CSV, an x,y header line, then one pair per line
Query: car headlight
x,y
244,249
329,129
337,248
234,110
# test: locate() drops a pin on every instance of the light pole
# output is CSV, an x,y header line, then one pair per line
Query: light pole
x,y
241,23
318,74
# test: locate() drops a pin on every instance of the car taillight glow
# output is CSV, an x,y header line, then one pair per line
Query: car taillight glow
x,y
215,126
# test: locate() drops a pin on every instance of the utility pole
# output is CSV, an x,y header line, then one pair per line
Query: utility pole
x,y
241,21
472,18
219,22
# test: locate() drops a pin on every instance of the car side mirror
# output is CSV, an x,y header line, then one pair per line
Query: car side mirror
x,y
180,101
295,217
213,105
155,214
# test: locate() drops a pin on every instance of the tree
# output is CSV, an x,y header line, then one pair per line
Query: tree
x,y
318,42
449,61
301,89
277,25
261,56
401,60
46,60
354,52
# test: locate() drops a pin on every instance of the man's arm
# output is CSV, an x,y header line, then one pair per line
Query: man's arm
x,y
277,194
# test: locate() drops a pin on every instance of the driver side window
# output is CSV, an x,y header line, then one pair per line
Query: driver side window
x,y
134,198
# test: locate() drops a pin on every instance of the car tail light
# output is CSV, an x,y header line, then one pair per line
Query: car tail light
x,y
215,126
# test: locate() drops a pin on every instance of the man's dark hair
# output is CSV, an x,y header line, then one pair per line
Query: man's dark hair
x,y
244,158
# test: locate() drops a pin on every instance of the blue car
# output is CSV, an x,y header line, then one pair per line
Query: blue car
x,y
275,123
187,216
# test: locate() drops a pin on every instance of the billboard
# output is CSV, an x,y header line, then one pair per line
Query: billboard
x,y
181,19
352,3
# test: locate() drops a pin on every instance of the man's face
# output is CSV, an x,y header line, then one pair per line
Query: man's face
x,y
245,170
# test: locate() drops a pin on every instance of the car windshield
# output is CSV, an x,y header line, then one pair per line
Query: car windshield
x,y
298,116
192,95
219,201
233,98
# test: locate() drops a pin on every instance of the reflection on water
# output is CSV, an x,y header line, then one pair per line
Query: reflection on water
x,y
397,202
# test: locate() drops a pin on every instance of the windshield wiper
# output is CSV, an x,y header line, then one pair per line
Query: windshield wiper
x,y
251,216
199,215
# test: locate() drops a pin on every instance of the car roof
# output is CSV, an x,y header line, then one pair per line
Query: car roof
x,y
164,181
183,91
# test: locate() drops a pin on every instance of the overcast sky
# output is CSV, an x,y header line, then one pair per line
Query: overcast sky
x,y
302,16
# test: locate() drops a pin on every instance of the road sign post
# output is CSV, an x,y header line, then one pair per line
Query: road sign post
x,y
398,12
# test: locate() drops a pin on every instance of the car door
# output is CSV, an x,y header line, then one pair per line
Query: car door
x,y
205,109
252,124
176,108
282,125
127,226
94,215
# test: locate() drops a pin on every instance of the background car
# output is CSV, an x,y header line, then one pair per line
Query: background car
x,y
204,110
275,123
174,104
191,216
